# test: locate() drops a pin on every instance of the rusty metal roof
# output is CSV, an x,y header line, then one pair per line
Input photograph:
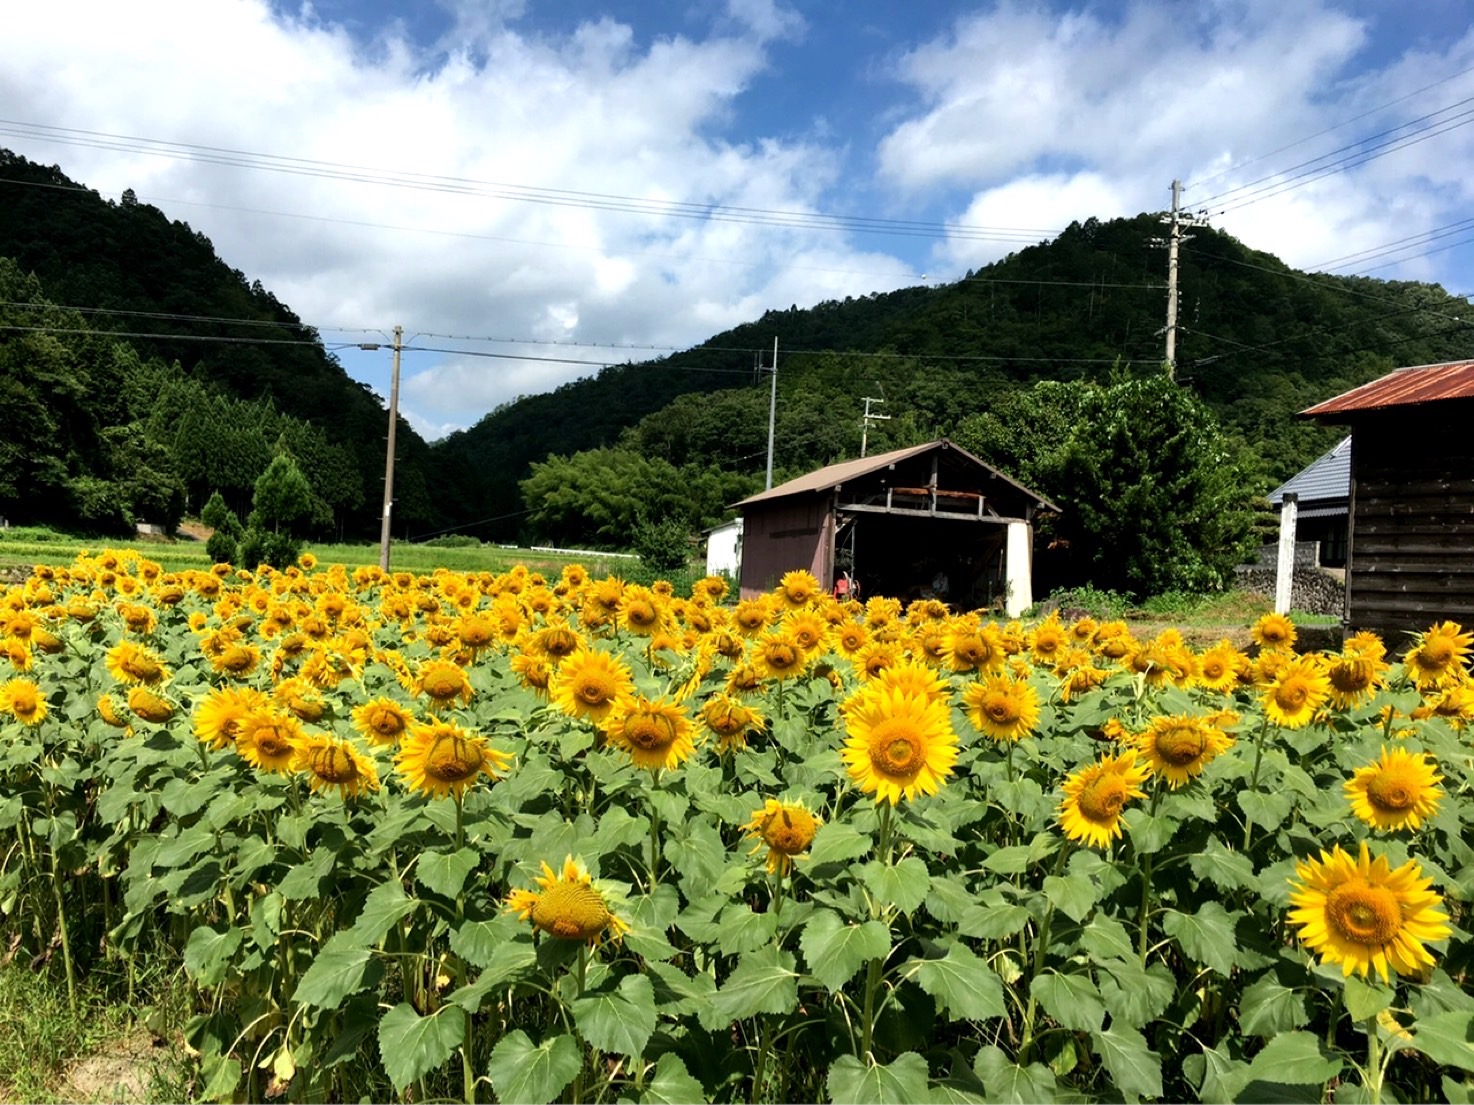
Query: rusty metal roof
x,y
1404,387
825,479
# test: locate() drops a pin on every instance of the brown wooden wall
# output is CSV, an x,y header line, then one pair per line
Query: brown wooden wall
x,y
1412,536
786,534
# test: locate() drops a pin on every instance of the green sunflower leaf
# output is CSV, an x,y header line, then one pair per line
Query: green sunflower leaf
x,y
742,930
1072,895
411,1045
852,1082
672,1084
445,872
1071,999
1227,870
1447,1038
835,950
1294,1058
386,905
1135,1068
305,880
341,967
903,885
1206,936
962,983
1010,1084
207,954
618,1020
533,1074
836,842
765,981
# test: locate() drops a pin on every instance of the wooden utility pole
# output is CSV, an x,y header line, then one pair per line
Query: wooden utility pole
x,y
1176,220
772,413
865,433
389,457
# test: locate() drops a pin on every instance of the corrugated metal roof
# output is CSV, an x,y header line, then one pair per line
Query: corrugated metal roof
x,y
824,479
1329,477
1403,387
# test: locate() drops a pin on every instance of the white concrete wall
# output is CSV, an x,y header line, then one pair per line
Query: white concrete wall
x,y
724,550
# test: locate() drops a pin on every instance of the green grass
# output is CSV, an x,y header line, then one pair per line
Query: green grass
x,y
50,1052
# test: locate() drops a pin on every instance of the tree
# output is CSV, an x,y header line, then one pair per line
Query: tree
x,y
282,505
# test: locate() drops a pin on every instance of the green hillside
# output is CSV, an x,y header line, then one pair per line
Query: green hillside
x,y
1258,342
129,268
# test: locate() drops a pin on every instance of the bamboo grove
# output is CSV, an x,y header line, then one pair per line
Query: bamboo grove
x,y
507,837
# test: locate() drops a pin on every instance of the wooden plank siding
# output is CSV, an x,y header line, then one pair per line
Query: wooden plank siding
x,y
1412,523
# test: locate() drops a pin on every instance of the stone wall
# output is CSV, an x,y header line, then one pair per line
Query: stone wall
x,y
1312,590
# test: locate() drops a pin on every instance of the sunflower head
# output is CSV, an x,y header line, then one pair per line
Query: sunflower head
x,y
1438,657
900,743
330,764
23,699
382,720
1299,690
1273,631
589,684
1178,748
1361,913
267,739
1095,795
568,905
150,706
1005,709
443,683
730,720
1399,791
655,733
798,588
442,759
786,829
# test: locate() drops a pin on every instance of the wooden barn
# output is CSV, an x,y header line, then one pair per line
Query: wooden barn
x,y
929,520
1411,557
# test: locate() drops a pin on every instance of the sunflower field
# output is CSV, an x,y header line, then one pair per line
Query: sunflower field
x,y
474,836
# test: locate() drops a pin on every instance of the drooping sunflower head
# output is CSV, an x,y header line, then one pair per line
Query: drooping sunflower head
x,y
589,684
329,763
1005,709
150,705
1095,795
1354,677
476,631
382,720
442,683
218,718
568,905
1274,631
128,662
108,710
899,744
655,733
440,759
1438,657
1178,748
1398,791
730,719
556,641
972,647
786,829
1361,913
533,670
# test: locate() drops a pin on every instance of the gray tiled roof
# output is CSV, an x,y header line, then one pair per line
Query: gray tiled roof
x,y
1327,478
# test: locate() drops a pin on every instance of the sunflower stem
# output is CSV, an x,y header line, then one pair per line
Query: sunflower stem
x,y
1254,779
1008,760
1375,1064
1146,905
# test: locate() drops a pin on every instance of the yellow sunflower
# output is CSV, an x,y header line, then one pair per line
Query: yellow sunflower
x,y
150,706
1003,708
1437,658
1178,748
1364,915
1048,639
974,648
798,588
914,676
569,905
1354,677
533,670
382,720
235,660
730,720
655,733
328,762
23,700
1219,667
753,615
1273,631
851,638
1095,795
641,611
786,829
1298,691
808,629
217,719
589,684
267,739
555,641
778,655
133,663
1399,791
107,709
900,743
443,682
441,758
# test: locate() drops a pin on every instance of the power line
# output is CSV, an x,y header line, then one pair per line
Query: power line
x,y
1328,130
559,197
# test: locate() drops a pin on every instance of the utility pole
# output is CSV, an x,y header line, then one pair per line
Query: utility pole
x,y
389,458
865,433
1176,220
772,413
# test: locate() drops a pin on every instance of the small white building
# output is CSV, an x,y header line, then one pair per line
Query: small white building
x,y
724,549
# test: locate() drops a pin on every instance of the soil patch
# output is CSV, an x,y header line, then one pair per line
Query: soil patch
x,y
121,1070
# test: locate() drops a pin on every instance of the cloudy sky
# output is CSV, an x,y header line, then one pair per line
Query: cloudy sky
x,y
594,182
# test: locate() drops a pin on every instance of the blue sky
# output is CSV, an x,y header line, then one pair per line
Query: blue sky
x,y
435,163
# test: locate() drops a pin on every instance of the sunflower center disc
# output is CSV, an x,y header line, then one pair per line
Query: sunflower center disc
x,y
571,911
650,733
333,765
1363,913
895,750
781,656
272,744
1292,695
789,833
1000,709
443,685
593,692
1182,746
1392,790
385,722
452,760
1102,799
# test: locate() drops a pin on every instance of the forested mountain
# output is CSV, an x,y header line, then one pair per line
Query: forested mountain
x,y
1258,341
209,411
